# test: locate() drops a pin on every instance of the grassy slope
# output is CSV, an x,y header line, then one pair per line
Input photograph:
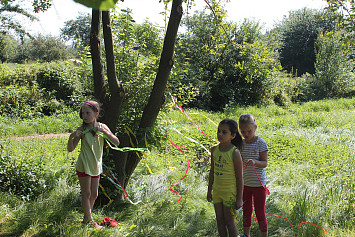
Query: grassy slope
x,y
310,177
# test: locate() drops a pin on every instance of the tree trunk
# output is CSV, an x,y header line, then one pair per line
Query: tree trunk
x,y
114,107
95,48
124,167
156,98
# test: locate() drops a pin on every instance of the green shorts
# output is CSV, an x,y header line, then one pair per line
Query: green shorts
x,y
227,198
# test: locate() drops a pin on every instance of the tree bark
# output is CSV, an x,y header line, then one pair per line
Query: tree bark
x,y
114,107
156,98
95,49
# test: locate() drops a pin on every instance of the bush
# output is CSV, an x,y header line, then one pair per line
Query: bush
x,y
34,90
21,177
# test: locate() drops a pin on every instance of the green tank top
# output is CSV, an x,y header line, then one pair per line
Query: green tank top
x,y
90,157
224,172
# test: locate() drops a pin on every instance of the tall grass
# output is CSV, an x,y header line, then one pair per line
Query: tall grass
x,y
310,177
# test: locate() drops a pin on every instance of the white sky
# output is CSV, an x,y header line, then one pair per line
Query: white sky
x,y
267,11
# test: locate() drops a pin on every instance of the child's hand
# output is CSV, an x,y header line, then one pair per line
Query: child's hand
x,y
209,197
99,129
238,203
250,162
78,133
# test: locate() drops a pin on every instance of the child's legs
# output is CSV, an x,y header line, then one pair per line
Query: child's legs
x,y
221,225
247,208
94,191
85,186
259,204
230,222
89,192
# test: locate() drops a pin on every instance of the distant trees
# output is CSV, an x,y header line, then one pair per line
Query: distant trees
x,y
227,63
78,31
38,48
344,16
298,33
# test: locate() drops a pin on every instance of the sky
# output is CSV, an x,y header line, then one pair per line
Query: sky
x,y
266,11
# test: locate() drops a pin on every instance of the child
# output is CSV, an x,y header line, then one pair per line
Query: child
x,y
89,163
254,153
225,187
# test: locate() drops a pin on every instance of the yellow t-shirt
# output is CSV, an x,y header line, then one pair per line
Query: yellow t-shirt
x,y
90,157
224,172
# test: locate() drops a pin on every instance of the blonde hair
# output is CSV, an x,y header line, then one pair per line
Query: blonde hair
x,y
247,119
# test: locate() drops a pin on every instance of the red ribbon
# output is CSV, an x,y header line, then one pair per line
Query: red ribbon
x,y
124,190
264,186
187,169
309,223
183,111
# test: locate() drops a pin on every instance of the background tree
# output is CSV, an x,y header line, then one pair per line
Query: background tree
x,y
229,64
8,48
298,33
78,31
344,15
113,100
43,49
334,75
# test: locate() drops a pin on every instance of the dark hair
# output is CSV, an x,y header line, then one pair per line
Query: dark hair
x,y
233,127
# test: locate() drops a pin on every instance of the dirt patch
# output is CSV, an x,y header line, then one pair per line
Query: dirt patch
x,y
43,136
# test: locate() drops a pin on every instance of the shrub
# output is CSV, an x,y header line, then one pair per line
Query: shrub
x,y
21,177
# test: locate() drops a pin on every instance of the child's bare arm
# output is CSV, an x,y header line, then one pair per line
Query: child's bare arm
x,y
74,139
210,179
238,166
105,130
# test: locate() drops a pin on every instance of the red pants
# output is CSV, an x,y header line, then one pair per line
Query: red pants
x,y
259,196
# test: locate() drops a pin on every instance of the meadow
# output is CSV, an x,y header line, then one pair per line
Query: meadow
x,y
310,175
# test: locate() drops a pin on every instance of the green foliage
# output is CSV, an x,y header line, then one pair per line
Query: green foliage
x,y
334,75
28,91
344,16
227,63
298,33
7,48
136,57
62,81
78,30
21,177
43,49
103,5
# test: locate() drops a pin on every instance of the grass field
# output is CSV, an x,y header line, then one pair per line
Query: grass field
x,y
310,176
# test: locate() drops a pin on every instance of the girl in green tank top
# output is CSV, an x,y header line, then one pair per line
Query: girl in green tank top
x,y
89,164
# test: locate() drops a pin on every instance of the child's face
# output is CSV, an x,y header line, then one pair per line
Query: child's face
x,y
248,131
224,134
88,115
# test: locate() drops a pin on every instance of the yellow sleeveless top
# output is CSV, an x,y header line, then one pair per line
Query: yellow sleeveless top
x,y
90,157
224,172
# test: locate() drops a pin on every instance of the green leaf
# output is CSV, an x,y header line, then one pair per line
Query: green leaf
x,y
103,5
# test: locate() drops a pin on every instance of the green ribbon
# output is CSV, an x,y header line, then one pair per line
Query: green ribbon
x,y
110,143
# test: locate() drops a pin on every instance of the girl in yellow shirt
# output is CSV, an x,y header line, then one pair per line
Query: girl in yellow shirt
x,y
225,187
